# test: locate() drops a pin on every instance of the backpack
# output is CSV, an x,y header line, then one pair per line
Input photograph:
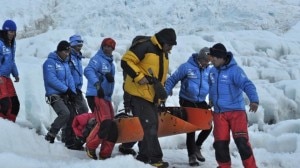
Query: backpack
x,y
139,39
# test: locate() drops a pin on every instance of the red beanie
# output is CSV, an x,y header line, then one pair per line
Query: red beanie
x,y
108,42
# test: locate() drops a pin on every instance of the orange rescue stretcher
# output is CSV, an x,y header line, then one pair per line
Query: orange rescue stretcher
x,y
172,121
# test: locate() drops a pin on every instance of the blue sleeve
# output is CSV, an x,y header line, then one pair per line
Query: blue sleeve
x,y
245,84
15,72
178,75
91,71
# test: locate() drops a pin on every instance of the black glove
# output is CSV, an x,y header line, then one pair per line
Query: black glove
x,y
70,94
69,91
78,91
160,92
150,79
110,78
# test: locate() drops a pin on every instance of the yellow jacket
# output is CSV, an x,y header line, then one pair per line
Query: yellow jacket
x,y
137,61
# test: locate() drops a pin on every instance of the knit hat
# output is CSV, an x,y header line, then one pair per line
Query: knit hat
x,y
218,50
75,40
108,42
166,36
63,45
9,25
203,54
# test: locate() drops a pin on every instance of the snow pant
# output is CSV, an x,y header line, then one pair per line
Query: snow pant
x,y
106,131
236,121
81,104
147,112
191,143
78,106
9,102
67,131
65,114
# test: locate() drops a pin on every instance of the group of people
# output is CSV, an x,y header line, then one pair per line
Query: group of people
x,y
144,63
63,78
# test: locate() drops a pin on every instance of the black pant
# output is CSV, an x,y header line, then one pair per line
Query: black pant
x,y
149,147
190,137
67,131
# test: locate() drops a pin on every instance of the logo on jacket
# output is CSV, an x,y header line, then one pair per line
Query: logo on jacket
x,y
191,73
224,77
105,67
58,66
6,50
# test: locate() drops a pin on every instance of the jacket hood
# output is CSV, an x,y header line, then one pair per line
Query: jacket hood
x,y
75,53
230,61
54,55
192,60
107,57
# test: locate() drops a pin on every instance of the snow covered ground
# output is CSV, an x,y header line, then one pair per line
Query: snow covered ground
x,y
263,36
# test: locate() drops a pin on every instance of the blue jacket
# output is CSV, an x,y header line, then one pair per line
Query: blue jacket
x,y
7,60
76,68
57,75
227,85
194,81
95,71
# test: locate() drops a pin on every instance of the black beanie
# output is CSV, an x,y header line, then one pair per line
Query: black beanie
x,y
218,50
63,45
166,36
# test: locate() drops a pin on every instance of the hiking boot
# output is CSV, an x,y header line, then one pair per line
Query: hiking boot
x,y
142,158
50,137
193,161
126,151
160,164
199,155
101,158
91,153
75,147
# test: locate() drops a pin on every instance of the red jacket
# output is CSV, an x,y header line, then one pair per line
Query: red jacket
x,y
80,122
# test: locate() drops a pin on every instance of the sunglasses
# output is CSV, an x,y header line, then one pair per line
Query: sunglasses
x,y
79,45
